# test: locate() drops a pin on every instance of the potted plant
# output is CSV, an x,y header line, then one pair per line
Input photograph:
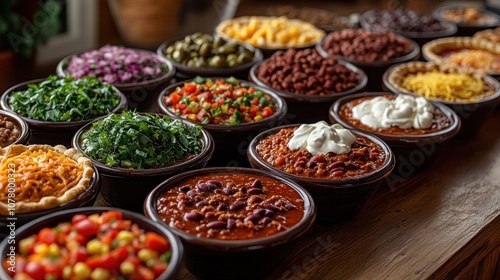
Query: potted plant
x,y
24,26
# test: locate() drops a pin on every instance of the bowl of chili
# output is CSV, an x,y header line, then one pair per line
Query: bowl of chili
x,y
472,95
232,110
341,178
55,108
69,180
246,219
13,129
134,152
139,74
308,82
416,135
92,243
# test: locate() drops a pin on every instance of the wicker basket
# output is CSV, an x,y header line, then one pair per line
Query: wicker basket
x,y
146,23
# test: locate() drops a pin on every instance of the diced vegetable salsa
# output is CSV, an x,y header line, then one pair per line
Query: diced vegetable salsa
x,y
99,246
223,101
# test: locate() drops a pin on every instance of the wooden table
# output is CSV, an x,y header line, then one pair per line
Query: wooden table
x,y
443,223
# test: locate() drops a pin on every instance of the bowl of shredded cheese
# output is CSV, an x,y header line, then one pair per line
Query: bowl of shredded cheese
x,y
471,94
271,34
466,52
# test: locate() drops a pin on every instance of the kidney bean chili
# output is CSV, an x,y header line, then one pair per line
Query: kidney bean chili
x,y
231,206
220,101
365,157
8,132
440,121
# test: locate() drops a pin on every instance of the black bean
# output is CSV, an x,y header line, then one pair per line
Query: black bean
x,y
216,225
311,164
259,212
185,188
243,189
237,205
254,191
221,207
193,216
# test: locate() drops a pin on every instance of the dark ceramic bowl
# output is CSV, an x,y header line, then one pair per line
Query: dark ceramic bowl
x,y
187,72
86,198
20,124
231,141
375,70
53,133
234,259
433,50
267,51
127,188
311,108
464,28
140,96
472,114
337,200
419,37
53,219
413,153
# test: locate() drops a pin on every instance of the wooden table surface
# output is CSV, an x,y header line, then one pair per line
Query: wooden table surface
x,y
443,223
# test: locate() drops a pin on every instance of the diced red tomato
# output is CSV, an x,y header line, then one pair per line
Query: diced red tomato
x,y
175,98
47,236
87,228
35,270
144,273
190,88
78,255
156,242
78,217
104,261
158,268
110,216
120,254
255,101
122,224
267,112
134,260
109,236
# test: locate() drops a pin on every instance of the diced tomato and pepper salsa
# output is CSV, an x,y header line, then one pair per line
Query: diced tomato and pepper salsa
x,y
98,246
220,101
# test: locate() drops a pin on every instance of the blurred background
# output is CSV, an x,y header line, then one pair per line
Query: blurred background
x,y
36,34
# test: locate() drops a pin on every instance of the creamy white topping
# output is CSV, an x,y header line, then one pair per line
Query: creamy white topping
x,y
320,138
404,112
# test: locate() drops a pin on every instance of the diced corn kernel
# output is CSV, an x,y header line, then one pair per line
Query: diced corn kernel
x,y
125,236
54,249
100,274
257,118
72,245
81,271
104,249
95,218
127,268
25,244
94,247
66,272
146,254
41,249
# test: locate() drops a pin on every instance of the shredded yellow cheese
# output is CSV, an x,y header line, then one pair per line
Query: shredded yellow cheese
x,y
476,59
446,86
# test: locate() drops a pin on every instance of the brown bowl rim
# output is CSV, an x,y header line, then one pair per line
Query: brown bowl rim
x,y
450,28
274,119
55,218
210,71
295,97
365,179
449,43
204,155
407,57
437,136
294,232
438,14
388,81
21,124
167,76
55,125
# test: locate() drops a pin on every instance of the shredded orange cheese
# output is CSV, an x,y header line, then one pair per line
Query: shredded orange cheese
x,y
446,86
476,59
39,174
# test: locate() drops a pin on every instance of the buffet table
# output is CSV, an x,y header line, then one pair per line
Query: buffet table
x,y
443,223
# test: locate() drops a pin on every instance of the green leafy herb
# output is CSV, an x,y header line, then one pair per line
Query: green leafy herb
x,y
141,141
66,99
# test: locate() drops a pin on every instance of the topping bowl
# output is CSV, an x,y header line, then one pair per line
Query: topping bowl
x,y
237,223
339,185
414,149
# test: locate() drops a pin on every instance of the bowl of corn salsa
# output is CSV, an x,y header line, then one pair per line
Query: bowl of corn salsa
x,y
232,110
92,243
471,94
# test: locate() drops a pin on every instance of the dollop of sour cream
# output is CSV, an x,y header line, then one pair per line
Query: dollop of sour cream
x,y
404,112
321,138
